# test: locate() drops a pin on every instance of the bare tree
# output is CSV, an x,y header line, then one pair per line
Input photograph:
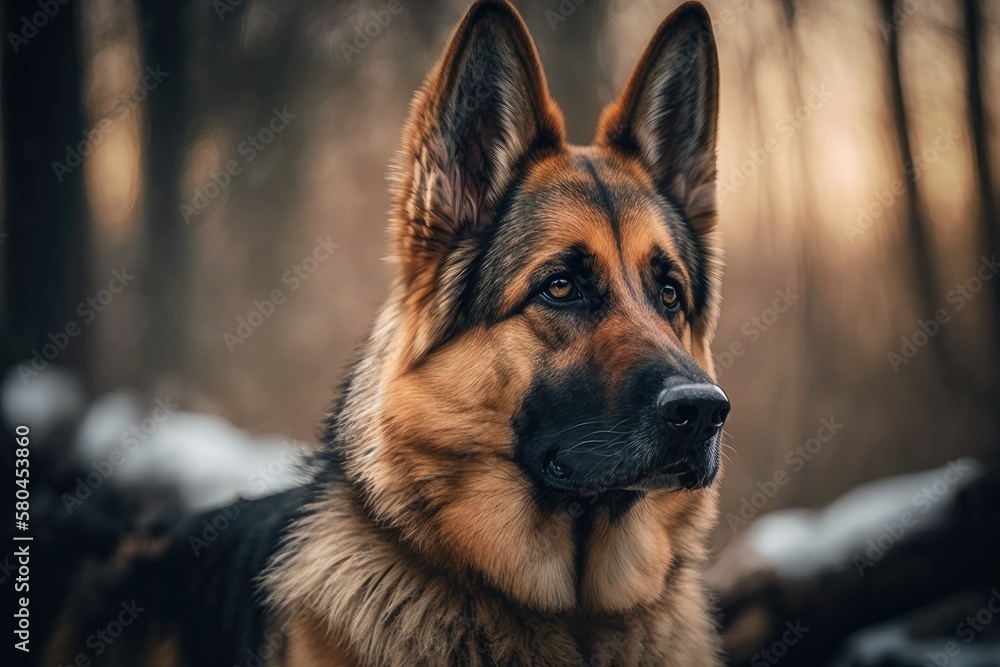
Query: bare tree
x,y
924,263
166,264
47,244
566,34
977,113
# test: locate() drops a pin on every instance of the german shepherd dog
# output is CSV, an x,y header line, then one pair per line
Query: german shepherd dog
x,y
522,466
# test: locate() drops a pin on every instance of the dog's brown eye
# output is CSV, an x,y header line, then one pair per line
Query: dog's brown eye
x,y
671,299
559,288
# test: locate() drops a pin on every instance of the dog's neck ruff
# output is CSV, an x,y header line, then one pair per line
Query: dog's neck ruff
x,y
344,576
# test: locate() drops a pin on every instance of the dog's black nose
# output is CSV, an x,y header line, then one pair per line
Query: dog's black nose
x,y
697,410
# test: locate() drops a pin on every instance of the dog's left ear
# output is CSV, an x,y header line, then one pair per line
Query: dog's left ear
x,y
483,112
667,115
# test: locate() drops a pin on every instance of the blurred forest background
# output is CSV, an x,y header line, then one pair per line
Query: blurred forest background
x,y
204,147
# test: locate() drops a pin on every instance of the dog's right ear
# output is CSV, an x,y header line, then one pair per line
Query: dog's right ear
x,y
483,109
668,113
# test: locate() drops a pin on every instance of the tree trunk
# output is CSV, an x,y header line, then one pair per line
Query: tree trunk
x,y
990,225
165,273
566,34
46,242
925,269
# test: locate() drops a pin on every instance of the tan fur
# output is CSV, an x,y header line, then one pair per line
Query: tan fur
x,y
394,610
432,550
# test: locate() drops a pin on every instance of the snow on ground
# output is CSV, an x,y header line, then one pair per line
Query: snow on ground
x,y
890,644
212,461
130,443
802,542
43,402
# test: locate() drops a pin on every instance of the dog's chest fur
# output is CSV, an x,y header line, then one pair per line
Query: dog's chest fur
x,y
346,591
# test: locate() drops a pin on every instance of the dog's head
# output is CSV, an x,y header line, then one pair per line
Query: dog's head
x,y
547,344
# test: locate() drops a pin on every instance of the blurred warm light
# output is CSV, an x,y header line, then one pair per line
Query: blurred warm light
x,y
113,166
113,181
205,160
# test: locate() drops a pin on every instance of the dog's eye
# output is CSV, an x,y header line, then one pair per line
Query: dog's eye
x,y
560,288
671,297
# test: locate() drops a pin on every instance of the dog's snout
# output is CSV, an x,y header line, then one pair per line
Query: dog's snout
x,y
697,410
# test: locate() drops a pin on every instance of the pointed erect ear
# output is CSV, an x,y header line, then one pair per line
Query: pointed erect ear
x,y
482,114
667,115
482,110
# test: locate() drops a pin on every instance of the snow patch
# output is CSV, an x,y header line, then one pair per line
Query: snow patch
x,y
44,402
210,460
802,542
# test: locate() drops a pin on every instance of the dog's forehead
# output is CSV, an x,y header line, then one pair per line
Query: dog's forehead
x,y
607,204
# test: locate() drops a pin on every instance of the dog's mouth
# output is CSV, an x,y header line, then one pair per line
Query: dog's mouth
x,y
696,467
683,476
